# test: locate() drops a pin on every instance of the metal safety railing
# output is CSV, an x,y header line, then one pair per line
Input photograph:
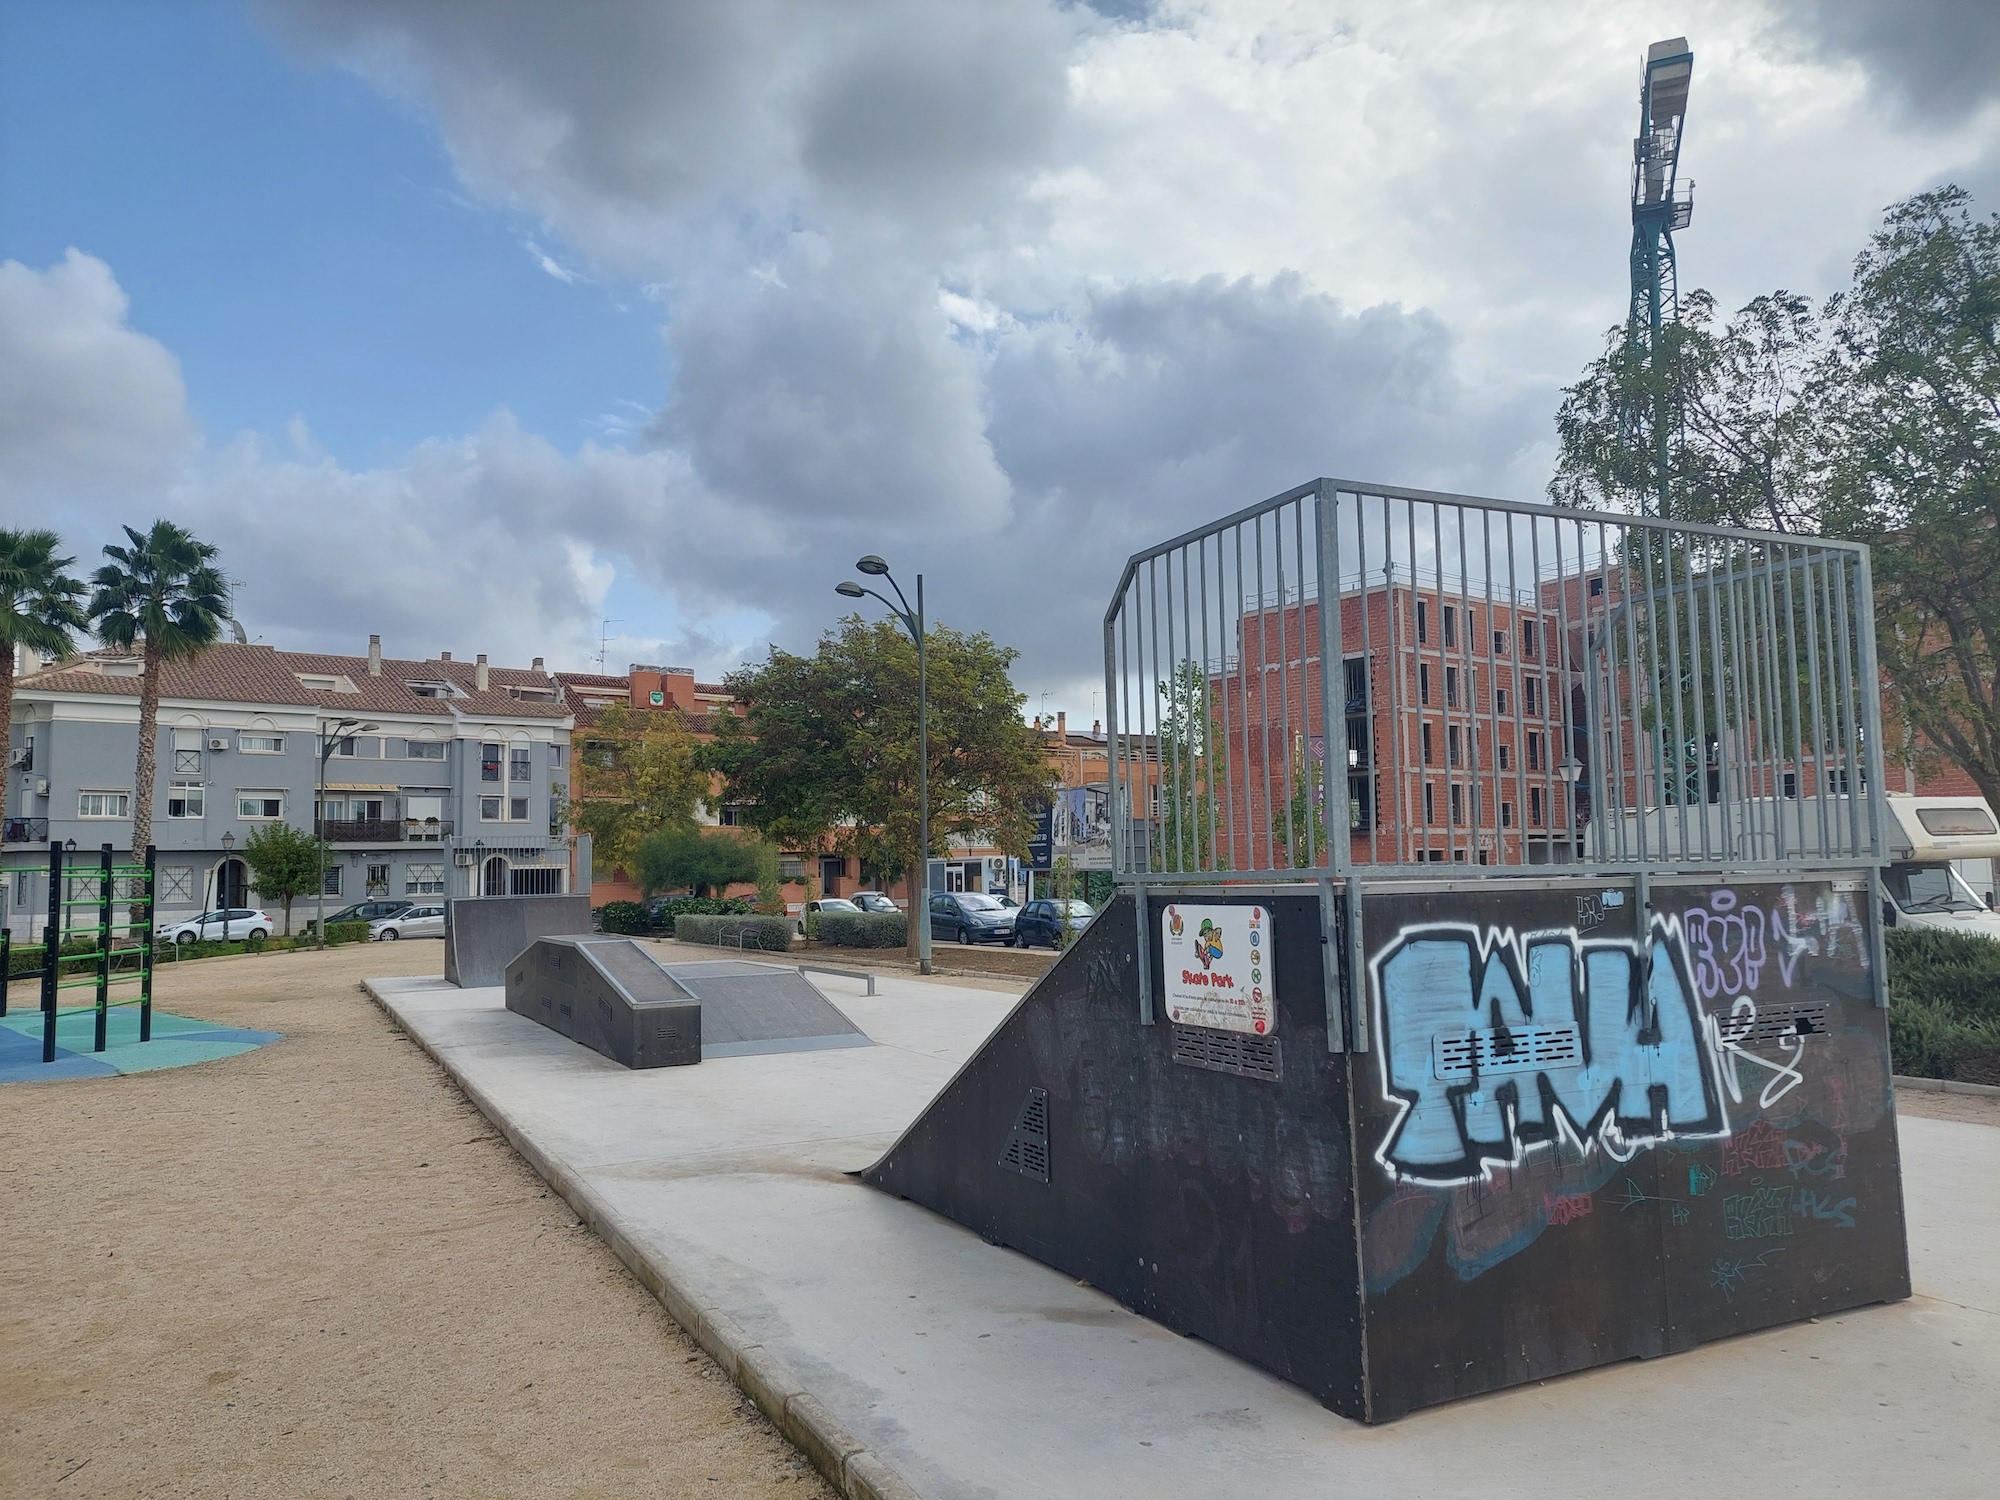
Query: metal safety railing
x,y
1486,686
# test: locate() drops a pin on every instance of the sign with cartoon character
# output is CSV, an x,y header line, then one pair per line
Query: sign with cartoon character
x,y
1216,968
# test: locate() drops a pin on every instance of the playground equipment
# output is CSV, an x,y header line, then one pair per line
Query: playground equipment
x,y
84,900
1496,985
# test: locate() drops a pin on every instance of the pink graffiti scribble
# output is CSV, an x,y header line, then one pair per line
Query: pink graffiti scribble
x,y
1567,1209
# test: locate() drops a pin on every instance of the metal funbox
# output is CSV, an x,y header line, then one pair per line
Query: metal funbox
x,y
1565,1044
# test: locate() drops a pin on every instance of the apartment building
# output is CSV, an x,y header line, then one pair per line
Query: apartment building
x,y
442,777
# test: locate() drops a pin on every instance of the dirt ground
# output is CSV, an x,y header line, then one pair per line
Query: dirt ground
x,y
1973,1109
314,1270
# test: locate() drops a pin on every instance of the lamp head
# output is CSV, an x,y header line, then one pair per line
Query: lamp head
x,y
873,566
850,590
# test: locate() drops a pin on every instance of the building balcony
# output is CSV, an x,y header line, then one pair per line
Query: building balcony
x,y
24,831
385,830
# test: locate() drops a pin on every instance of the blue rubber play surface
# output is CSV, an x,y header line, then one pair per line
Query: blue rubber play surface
x,y
177,1041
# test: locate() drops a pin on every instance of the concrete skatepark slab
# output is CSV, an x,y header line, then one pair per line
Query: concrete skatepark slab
x,y
971,1370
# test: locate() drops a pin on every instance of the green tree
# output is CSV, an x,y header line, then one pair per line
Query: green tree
x,y
638,774
165,592
285,864
828,748
1194,775
699,861
1913,466
40,605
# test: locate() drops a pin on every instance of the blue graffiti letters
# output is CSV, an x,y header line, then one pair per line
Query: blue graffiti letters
x,y
1496,1044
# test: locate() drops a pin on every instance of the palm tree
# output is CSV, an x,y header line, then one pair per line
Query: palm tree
x,y
164,589
40,604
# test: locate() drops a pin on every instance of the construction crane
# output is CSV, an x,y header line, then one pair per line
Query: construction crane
x,y
1660,205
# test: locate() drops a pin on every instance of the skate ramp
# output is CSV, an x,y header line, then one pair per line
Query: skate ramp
x,y
750,1009
608,995
484,934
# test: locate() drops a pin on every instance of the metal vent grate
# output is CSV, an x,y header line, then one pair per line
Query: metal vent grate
x,y
1505,1049
1028,1146
1229,1052
1772,1022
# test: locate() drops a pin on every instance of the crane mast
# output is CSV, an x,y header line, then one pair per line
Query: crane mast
x,y
1660,205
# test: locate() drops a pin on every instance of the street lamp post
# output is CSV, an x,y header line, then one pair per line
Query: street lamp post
x,y
913,621
326,743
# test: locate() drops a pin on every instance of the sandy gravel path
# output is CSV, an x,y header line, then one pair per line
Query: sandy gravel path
x,y
313,1270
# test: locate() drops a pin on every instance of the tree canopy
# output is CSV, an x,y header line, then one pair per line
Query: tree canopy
x,y
40,606
637,775
285,864
700,861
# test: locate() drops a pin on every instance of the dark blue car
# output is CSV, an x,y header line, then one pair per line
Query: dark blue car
x,y
1041,922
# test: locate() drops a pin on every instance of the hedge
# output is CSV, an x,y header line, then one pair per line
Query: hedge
x,y
623,916
864,929
771,934
345,932
666,913
1944,1004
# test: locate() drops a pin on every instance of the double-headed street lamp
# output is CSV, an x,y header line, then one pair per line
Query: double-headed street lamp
x,y
913,621
327,741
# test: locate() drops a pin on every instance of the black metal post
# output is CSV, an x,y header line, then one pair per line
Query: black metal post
x,y
6,964
146,955
51,945
103,947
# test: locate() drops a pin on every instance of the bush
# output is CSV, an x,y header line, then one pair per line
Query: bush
x,y
1944,1005
770,934
864,929
670,909
346,932
623,916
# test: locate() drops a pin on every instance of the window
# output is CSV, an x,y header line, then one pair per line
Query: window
x,y
489,762
1534,751
1457,803
791,867
330,881
341,749
255,805
187,751
1506,815
186,799
1423,682
1535,806
1430,803
517,809
1500,701
546,881
177,883
377,880
1531,688
1506,753
1836,783
1791,783
1528,637
425,749
419,880
1454,746
104,804
558,757
489,809
260,743
1427,744
1451,687
1423,622
318,684
518,767
1596,587
1450,626
1955,822
1499,643
733,815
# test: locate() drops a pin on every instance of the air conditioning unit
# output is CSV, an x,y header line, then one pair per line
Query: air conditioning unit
x,y
21,757
463,860
42,787
218,742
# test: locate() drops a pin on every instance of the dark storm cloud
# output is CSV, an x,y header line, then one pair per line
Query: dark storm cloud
x,y
1938,61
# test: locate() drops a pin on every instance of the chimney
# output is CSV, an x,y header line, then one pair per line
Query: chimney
x,y
1062,727
1097,729
444,656
479,672
31,659
536,665
374,656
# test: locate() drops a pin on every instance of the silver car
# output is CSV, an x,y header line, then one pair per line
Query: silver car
x,y
231,925
418,921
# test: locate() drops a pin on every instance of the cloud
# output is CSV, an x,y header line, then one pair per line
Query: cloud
x,y
1935,61
88,405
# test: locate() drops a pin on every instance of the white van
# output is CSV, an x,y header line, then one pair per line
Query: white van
x,y
1924,889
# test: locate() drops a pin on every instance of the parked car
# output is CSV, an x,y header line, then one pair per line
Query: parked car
x,y
825,903
232,925
362,911
416,921
874,901
970,917
1043,922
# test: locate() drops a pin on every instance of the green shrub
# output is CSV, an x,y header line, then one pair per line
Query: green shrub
x,y
623,916
346,932
770,934
1944,1004
665,913
864,929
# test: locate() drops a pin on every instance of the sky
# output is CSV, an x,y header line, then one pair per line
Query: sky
x,y
483,323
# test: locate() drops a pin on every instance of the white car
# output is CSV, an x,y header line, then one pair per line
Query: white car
x,y
418,921
231,925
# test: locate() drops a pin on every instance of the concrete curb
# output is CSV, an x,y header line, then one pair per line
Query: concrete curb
x,y
1947,1086
757,1372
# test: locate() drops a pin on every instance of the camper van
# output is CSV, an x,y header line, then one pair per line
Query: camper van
x,y
1923,884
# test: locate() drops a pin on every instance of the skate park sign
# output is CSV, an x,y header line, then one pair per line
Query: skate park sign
x,y
1217,967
